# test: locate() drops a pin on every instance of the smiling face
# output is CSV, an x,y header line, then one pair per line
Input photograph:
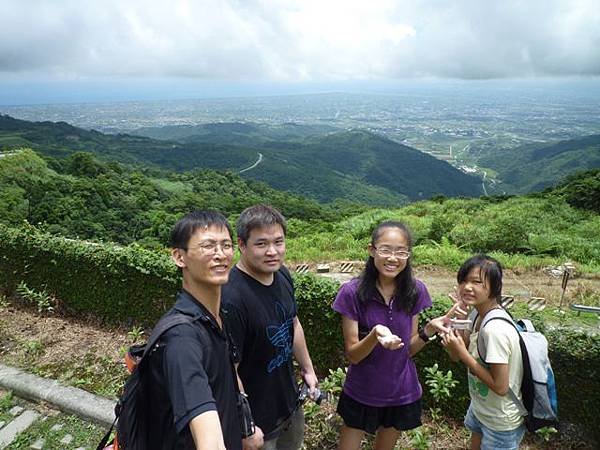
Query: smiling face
x,y
474,289
207,259
394,239
264,250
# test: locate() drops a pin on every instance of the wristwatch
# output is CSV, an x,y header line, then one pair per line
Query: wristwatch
x,y
423,335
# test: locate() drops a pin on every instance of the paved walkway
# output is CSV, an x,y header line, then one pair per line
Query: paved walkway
x,y
68,399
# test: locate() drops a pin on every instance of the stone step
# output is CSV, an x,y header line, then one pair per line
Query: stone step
x,y
16,426
38,445
67,439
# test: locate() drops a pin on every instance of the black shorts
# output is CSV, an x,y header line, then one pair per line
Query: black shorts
x,y
371,418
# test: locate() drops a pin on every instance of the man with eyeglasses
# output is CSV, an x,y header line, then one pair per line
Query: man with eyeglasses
x,y
261,313
189,382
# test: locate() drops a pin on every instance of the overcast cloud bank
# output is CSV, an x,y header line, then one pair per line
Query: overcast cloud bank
x,y
305,40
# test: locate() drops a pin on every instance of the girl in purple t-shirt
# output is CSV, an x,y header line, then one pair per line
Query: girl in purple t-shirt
x,y
380,316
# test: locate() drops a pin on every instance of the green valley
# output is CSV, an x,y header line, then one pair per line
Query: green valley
x,y
351,165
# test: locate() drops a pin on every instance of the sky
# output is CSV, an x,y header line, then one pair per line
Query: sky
x,y
108,44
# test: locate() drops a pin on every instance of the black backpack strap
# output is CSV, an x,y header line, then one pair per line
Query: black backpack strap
x,y
104,440
165,324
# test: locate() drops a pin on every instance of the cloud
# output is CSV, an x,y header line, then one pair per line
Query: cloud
x,y
311,40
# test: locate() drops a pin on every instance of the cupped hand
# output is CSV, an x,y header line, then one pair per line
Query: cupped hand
x,y
387,339
391,342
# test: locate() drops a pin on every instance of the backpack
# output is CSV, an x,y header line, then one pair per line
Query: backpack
x,y
129,411
538,388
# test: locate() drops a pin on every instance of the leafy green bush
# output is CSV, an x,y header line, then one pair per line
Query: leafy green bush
x,y
113,283
322,325
131,285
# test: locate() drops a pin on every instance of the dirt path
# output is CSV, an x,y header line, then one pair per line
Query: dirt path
x,y
522,285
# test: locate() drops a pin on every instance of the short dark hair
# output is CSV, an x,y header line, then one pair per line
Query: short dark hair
x,y
258,216
490,271
188,224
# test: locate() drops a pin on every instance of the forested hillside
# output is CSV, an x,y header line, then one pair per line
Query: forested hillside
x,y
537,166
355,166
81,196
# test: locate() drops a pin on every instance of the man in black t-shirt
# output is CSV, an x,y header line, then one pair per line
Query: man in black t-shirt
x,y
191,397
261,314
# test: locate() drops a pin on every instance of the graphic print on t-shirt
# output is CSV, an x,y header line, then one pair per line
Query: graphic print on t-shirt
x,y
476,384
281,337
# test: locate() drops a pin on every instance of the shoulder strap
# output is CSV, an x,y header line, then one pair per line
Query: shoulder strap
x,y
163,325
506,317
500,314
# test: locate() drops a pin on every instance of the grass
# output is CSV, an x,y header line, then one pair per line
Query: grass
x,y
7,401
102,376
84,434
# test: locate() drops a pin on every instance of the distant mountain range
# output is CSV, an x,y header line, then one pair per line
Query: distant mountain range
x,y
537,166
317,162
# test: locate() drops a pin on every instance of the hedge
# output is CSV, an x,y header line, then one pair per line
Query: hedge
x,y
126,285
118,285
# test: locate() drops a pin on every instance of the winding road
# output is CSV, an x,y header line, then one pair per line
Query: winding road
x,y
258,161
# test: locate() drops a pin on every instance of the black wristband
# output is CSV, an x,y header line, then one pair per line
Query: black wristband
x,y
423,335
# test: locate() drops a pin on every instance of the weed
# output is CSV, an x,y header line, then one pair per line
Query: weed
x,y
419,438
135,334
546,433
4,303
6,401
33,348
102,376
440,384
334,381
44,301
584,294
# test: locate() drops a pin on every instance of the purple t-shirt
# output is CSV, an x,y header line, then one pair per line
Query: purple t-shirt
x,y
384,377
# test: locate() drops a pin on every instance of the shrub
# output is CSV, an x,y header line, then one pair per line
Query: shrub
x,y
322,325
118,285
130,285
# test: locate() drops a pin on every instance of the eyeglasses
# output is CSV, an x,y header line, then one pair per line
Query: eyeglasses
x,y
386,252
212,247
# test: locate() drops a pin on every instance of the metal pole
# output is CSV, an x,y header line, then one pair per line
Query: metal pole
x,y
565,280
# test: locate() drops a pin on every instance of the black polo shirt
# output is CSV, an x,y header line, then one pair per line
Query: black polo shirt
x,y
191,373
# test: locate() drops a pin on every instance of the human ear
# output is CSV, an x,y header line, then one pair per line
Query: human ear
x,y
177,257
371,250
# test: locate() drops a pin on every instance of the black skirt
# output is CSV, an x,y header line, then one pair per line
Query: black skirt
x,y
371,418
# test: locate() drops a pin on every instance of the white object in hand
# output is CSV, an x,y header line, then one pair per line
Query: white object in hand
x,y
390,341
460,324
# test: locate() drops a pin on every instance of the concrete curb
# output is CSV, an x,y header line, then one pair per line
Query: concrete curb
x,y
68,399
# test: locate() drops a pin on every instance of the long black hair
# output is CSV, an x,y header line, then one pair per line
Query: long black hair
x,y
406,286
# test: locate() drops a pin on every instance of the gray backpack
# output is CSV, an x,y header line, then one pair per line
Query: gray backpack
x,y
538,388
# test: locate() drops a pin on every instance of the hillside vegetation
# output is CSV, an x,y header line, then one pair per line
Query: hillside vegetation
x,y
537,166
82,197
353,165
